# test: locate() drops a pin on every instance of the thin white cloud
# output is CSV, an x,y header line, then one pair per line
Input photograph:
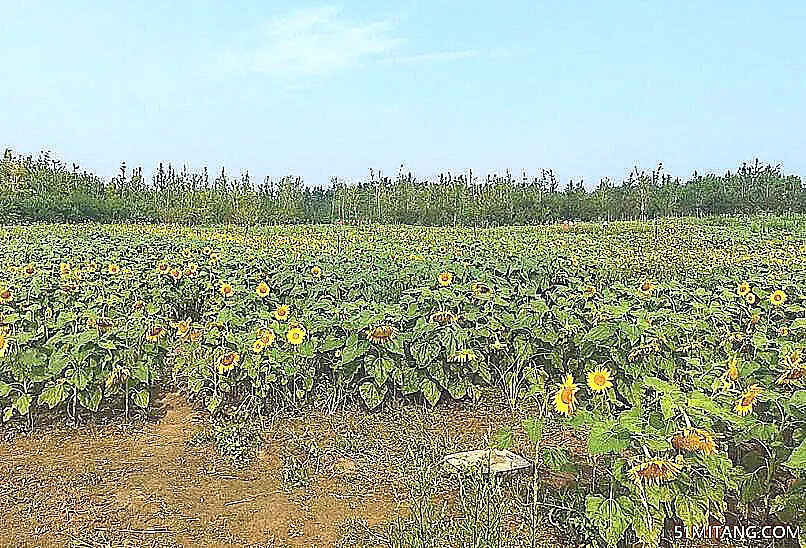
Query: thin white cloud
x,y
321,41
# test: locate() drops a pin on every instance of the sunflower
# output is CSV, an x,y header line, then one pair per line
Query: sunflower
x,y
281,312
262,290
445,278
29,269
206,250
654,471
480,289
155,333
64,269
226,289
139,305
565,400
647,287
794,358
3,344
6,295
694,439
733,369
266,336
743,289
381,334
744,405
599,379
778,298
258,346
316,271
175,274
296,335
443,317
590,290
750,298
791,375
228,361
191,270
755,317
113,269
163,267
182,327
462,356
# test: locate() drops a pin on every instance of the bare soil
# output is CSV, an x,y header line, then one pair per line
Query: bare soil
x,y
145,485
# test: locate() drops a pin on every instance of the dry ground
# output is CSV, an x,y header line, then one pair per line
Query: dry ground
x,y
125,484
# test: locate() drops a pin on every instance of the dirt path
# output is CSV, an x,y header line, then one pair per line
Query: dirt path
x,y
105,486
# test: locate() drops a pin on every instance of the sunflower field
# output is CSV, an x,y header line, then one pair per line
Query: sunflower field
x,y
677,346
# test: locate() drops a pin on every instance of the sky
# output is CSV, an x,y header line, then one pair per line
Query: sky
x,y
587,88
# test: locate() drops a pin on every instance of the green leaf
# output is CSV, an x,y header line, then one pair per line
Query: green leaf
x,y
141,398
22,404
90,398
534,429
692,511
53,395
600,333
606,437
797,460
371,395
430,390
609,517
5,389
504,438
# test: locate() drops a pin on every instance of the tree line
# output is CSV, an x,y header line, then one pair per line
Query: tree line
x,y
44,188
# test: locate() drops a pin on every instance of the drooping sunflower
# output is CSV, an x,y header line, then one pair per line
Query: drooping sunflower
x,y
266,336
6,295
381,334
443,317
750,298
262,290
296,334
791,375
646,287
258,346
599,379
694,439
590,290
228,361
565,400
226,289
794,358
480,289
155,333
3,343
445,278
743,289
281,312
744,405
113,269
655,471
778,298
462,356
316,271
732,372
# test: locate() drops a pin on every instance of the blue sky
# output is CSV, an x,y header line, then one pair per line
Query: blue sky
x,y
320,89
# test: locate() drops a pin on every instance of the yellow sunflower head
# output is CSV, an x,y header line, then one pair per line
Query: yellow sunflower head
x,y
316,271
694,439
113,269
655,471
296,334
175,274
266,336
778,298
182,327
228,361
744,405
163,267
443,317
445,278
599,379
262,290
565,399
3,343
462,356
791,375
590,290
155,333
750,298
258,346
6,295
381,334
733,368
281,312
646,287
226,289
29,269
743,289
